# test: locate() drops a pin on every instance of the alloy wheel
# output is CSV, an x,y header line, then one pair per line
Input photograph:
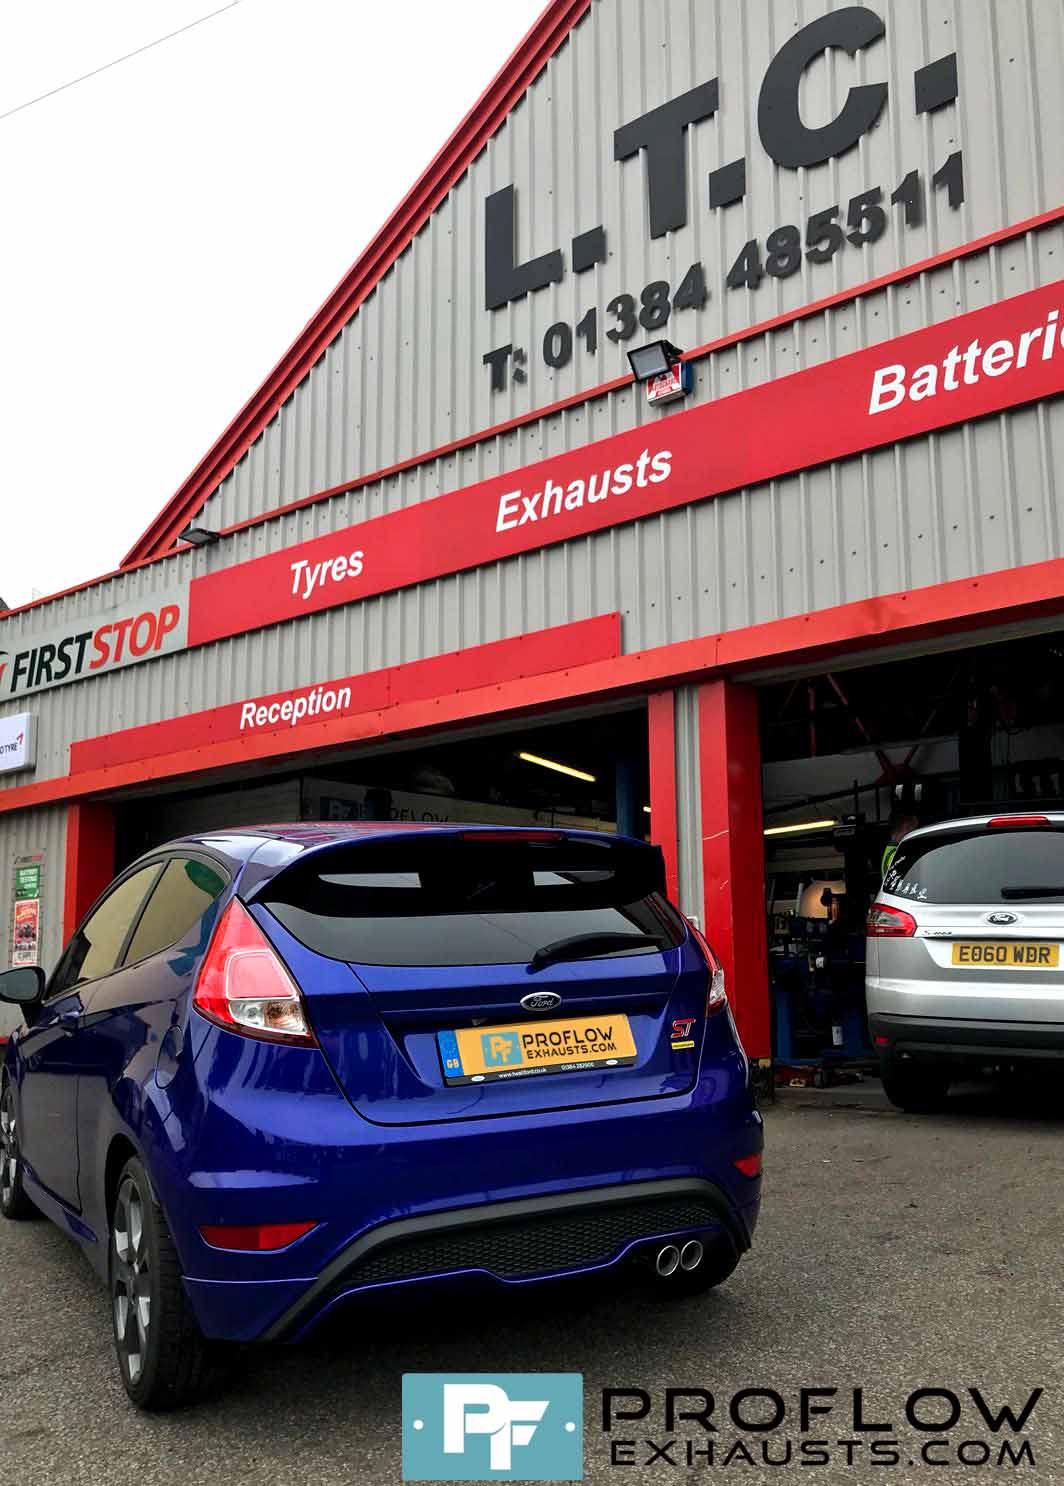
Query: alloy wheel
x,y
8,1147
130,1279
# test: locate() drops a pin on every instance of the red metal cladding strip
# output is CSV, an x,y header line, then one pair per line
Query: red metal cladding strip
x,y
733,858
847,406
90,859
203,729
283,716
486,116
661,730
958,607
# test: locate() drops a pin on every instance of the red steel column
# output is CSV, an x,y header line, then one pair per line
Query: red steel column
x,y
90,859
661,730
733,856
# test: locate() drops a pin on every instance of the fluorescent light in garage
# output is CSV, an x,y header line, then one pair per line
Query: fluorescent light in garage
x,y
549,763
802,825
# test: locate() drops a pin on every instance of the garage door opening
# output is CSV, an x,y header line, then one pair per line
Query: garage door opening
x,y
588,771
853,758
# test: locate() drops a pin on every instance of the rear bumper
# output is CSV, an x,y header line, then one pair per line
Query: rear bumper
x,y
522,1241
528,1241
942,1039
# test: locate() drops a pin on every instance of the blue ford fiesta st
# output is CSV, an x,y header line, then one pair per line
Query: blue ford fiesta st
x,y
277,1069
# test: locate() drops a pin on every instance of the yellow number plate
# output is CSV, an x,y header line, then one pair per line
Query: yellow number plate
x,y
1007,954
523,1049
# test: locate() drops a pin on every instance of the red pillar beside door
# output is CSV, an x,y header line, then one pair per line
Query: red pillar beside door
x,y
661,732
90,859
733,857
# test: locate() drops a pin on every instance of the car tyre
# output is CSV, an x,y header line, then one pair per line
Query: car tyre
x,y
918,1089
718,1264
14,1203
164,1359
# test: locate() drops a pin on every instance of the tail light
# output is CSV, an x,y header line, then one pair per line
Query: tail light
x,y
242,984
749,1165
1022,822
889,923
716,998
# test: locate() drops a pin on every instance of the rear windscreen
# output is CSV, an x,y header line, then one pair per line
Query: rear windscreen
x,y
998,866
445,900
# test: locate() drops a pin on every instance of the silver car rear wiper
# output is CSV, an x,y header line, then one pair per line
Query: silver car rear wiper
x,y
1034,890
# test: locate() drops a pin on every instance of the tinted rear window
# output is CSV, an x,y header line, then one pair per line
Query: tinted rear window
x,y
183,894
448,901
998,866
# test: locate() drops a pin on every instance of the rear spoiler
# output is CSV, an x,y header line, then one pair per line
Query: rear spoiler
x,y
261,869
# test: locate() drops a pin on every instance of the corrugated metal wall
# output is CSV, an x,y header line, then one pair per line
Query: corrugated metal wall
x,y
181,815
28,833
406,375
968,500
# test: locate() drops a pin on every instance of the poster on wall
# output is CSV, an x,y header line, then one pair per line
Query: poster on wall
x,y
27,875
26,933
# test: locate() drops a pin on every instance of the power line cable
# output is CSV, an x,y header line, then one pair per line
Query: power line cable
x,y
138,51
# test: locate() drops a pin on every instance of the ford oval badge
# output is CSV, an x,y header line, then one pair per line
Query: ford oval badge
x,y
1002,918
541,1001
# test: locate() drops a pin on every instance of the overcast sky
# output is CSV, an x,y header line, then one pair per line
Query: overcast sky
x,y
172,223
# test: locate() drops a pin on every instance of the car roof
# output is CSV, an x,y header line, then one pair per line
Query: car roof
x,y
980,822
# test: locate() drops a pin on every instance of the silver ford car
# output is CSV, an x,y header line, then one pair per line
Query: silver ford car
x,y
964,944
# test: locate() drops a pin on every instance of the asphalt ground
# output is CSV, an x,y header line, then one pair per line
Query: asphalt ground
x,y
895,1253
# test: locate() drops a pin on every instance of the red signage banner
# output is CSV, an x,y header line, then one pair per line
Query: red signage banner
x,y
285,712
963,368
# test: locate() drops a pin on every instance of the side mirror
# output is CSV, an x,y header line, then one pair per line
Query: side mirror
x,y
26,983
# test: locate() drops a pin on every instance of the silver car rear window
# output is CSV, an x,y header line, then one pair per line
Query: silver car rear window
x,y
989,866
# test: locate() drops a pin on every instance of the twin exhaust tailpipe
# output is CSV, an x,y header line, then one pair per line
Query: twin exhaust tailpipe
x,y
671,1258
